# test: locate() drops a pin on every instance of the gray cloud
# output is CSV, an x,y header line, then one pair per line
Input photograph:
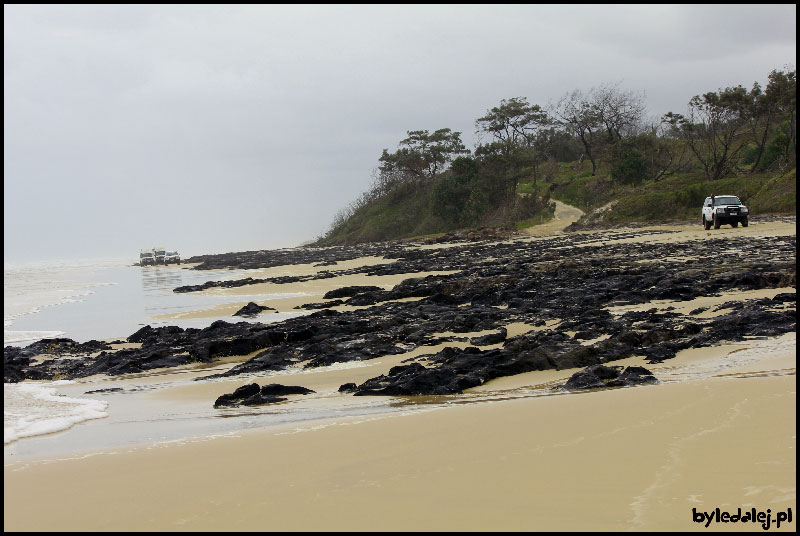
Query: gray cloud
x,y
216,128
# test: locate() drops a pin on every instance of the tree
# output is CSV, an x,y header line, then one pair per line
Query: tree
x,y
514,123
714,129
580,118
782,91
759,113
620,112
651,155
515,128
604,108
454,192
423,154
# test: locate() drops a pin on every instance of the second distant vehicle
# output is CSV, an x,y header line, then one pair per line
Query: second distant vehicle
x,y
723,210
160,254
172,257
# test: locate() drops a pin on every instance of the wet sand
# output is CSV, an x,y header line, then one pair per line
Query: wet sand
x,y
719,431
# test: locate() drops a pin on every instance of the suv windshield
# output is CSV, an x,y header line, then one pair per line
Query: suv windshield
x,y
726,200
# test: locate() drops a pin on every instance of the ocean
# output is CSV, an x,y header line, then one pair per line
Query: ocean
x,y
84,300
104,298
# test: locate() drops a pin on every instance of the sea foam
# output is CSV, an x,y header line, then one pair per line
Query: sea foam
x,y
31,409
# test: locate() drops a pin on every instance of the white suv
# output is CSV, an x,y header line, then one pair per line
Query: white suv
x,y
172,257
147,257
160,254
722,210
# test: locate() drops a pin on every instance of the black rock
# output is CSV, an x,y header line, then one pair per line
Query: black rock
x,y
252,309
276,389
320,305
601,376
107,390
253,395
491,338
350,291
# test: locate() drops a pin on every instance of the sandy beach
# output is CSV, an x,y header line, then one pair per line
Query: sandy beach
x,y
718,431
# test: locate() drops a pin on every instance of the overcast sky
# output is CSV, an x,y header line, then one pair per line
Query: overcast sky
x,y
209,129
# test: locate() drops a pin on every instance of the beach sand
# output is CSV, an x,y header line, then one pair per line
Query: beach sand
x,y
719,431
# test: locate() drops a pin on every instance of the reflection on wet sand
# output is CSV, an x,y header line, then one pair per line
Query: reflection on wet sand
x,y
160,278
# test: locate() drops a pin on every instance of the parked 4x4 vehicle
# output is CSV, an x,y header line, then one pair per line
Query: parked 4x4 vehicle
x,y
160,254
723,210
172,257
147,257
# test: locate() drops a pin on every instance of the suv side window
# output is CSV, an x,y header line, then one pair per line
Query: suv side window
x,y
708,202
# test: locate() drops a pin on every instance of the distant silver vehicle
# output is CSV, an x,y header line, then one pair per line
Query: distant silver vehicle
x,y
172,257
160,254
147,257
722,209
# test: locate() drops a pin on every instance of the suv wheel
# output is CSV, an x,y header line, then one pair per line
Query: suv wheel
x,y
706,224
716,223
745,223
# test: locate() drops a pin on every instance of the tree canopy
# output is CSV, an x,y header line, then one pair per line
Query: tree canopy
x,y
423,154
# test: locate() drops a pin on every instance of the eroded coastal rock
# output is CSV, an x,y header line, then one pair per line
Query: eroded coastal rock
x,y
252,309
568,289
601,376
253,395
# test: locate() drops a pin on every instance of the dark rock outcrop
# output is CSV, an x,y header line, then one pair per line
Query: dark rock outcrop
x,y
601,376
253,395
252,309
491,338
345,292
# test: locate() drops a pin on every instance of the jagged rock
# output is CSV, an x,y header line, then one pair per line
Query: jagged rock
x,y
252,309
601,376
491,338
253,395
320,305
276,389
107,390
415,379
350,291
